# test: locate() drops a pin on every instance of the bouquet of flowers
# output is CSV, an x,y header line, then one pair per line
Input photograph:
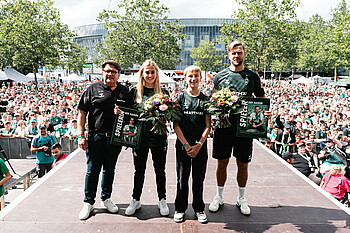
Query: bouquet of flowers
x,y
223,104
158,108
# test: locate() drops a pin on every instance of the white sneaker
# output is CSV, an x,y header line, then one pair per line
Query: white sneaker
x,y
85,212
163,207
217,202
179,216
202,217
243,206
134,205
111,207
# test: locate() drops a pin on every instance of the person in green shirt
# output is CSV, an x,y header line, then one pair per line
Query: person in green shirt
x,y
54,119
5,176
8,131
191,146
62,129
130,130
147,86
72,132
256,119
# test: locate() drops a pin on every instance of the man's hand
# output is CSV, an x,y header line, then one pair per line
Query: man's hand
x,y
82,143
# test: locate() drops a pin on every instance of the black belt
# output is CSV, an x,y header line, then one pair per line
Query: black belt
x,y
108,134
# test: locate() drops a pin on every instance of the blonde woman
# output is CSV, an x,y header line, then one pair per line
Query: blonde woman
x,y
335,183
147,86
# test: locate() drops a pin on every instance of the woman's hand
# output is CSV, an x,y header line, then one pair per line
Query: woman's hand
x,y
117,110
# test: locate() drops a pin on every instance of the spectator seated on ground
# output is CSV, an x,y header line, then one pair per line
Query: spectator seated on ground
x,y
331,155
302,162
335,183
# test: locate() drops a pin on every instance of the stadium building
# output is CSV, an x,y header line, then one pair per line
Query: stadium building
x,y
195,29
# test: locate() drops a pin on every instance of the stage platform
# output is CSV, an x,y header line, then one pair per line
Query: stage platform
x,y
280,200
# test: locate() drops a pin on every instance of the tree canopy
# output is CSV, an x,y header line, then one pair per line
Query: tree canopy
x,y
142,32
260,25
205,57
275,39
32,36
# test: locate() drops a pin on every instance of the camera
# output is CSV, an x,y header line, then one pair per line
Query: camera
x,y
3,103
48,151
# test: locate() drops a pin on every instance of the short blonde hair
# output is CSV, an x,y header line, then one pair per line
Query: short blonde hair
x,y
193,69
235,44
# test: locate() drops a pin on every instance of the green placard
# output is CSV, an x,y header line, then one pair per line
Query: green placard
x,y
252,123
127,128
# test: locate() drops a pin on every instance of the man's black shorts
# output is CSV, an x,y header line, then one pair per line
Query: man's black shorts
x,y
225,140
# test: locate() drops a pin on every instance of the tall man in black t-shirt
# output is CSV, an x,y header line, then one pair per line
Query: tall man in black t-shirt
x,y
100,103
239,79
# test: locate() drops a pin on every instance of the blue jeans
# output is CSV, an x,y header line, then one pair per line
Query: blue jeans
x,y
100,154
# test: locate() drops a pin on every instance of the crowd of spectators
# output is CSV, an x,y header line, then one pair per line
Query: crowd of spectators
x,y
309,126
314,116
52,104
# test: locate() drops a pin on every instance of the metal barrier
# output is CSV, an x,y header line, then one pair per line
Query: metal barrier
x,y
18,148
26,179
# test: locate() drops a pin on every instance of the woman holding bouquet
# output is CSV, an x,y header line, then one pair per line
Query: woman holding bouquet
x,y
147,86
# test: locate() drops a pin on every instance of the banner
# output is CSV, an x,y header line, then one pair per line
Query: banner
x,y
127,128
252,122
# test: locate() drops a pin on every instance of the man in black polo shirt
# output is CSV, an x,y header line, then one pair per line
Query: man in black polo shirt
x,y
100,103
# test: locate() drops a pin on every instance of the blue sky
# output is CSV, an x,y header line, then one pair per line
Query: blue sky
x,y
82,12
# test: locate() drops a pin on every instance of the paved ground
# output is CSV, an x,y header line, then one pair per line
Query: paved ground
x,y
21,167
280,200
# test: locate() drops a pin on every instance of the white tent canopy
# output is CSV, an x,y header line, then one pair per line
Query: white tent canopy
x,y
16,76
303,80
73,77
38,76
3,76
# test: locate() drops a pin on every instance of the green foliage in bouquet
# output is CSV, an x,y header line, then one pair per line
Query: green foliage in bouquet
x,y
223,104
158,108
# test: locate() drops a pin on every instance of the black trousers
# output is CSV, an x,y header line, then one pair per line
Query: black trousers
x,y
184,163
42,169
140,161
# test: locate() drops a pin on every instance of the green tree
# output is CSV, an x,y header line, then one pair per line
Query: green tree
x,y
259,24
312,50
286,47
32,36
142,32
206,58
76,57
338,45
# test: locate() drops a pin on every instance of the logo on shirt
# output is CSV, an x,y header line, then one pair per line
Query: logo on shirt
x,y
246,81
101,94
